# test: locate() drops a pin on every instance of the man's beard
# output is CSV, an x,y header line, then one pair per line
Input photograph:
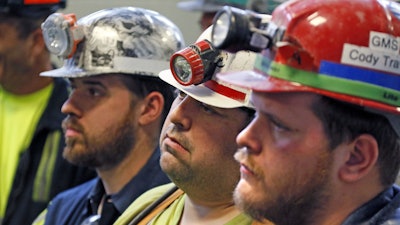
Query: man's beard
x,y
288,208
104,151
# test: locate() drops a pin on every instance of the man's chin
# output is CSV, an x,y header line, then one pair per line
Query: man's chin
x,y
246,199
243,187
243,193
72,156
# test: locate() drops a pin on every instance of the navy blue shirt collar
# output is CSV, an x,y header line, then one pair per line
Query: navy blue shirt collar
x,y
144,180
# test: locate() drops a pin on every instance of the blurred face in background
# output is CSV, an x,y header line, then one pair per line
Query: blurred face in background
x,y
206,20
15,58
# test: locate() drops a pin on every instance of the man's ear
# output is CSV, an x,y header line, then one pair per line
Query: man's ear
x,y
152,108
361,157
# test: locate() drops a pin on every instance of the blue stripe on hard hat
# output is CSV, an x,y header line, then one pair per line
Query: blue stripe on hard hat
x,y
353,73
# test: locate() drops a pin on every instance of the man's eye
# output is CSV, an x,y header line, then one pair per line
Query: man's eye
x,y
208,108
94,92
70,89
279,126
180,94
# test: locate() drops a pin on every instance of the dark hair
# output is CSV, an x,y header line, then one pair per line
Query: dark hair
x,y
143,85
23,26
250,113
344,122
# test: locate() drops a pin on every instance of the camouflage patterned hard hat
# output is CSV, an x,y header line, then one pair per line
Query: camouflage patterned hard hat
x,y
121,40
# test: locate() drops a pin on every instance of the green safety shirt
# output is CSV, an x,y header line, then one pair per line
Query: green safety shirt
x,y
172,214
19,115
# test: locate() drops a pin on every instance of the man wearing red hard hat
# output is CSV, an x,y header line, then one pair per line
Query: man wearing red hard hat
x,y
324,145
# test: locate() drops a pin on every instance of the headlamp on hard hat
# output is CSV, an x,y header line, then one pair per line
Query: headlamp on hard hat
x,y
61,34
195,64
236,29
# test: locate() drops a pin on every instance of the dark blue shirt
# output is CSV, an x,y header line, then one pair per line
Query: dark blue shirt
x,y
77,204
384,209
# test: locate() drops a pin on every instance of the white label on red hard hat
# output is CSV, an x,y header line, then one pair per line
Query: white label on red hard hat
x,y
384,42
368,58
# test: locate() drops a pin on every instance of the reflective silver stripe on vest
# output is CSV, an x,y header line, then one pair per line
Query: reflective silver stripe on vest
x,y
43,178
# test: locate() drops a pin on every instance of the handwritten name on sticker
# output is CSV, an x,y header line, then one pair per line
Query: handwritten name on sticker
x,y
368,58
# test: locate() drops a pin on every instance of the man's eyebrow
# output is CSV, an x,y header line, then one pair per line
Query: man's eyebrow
x,y
88,82
94,83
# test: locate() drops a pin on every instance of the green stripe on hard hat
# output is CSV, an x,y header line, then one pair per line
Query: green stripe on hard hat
x,y
230,2
329,82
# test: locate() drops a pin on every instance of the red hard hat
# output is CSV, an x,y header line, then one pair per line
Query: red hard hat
x,y
348,50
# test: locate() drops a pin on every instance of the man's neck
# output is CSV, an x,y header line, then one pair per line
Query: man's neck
x,y
22,83
116,178
27,86
346,202
210,214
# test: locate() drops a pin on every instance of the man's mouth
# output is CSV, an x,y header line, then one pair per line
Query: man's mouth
x,y
174,144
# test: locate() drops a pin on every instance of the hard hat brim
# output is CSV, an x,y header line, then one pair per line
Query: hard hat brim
x,y
202,93
259,82
68,72
126,65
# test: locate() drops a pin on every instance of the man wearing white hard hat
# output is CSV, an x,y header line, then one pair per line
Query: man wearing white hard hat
x,y
198,142
115,110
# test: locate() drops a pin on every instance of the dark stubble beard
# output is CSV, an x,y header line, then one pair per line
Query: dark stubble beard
x,y
289,208
105,151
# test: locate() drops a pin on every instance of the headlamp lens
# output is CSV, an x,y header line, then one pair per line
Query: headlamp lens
x,y
221,29
61,34
182,69
56,38
236,29
186,66
195,64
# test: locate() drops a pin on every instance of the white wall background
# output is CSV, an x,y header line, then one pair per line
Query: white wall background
x,y
186,21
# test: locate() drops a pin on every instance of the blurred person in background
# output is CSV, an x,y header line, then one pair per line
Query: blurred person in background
x,y
115,110
32,167
208,8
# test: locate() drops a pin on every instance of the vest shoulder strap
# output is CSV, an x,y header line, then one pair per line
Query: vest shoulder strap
x,y
156,207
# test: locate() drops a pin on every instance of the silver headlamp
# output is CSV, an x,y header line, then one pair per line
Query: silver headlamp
x,y
61,34
236,29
